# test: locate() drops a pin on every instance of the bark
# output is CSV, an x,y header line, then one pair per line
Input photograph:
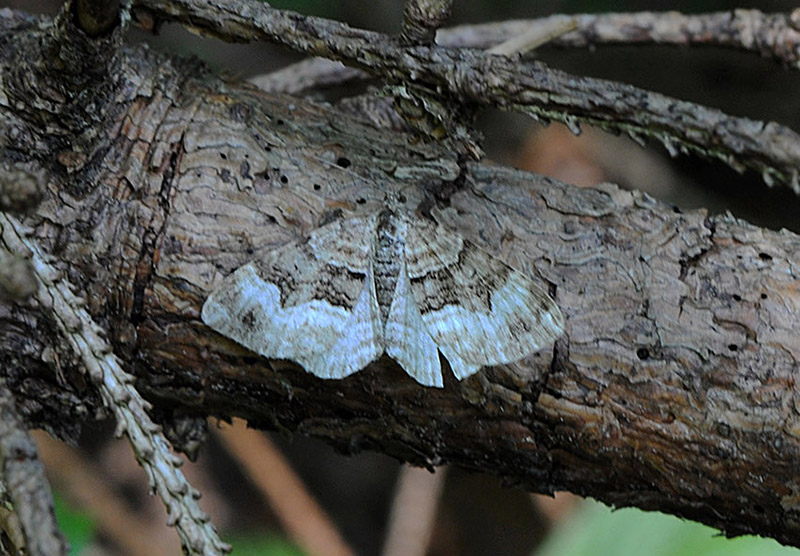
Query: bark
x,y
29,491
471,77
771,35
673,387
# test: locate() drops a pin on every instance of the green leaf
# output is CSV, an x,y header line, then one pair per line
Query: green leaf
x,y
76,525
596,530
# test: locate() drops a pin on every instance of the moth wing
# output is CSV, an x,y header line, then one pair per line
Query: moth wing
x,y
311,301
478,310
407,338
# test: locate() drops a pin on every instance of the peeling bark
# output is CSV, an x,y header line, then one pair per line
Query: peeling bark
x,y
673,387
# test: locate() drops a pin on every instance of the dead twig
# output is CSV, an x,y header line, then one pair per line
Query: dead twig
x,y
301,516
116,388
477,77
23,475
80,481
413,512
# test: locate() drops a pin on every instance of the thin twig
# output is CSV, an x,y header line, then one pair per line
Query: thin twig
x,y
116,388
421,19
476,77
774,35
309,74
556,507
81,482
534,37
297,510
23,474
413,513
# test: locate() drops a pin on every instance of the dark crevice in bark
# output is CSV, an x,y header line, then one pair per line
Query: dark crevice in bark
x,y
96,17
148,259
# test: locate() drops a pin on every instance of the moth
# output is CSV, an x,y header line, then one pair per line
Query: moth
x,y
390,282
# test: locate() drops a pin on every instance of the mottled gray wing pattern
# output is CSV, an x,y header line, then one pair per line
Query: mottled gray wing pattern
x,y
312,301
478,310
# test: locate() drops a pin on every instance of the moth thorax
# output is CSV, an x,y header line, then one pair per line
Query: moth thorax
x,y
388,257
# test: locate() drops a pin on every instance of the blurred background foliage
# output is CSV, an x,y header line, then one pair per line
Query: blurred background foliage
x,y
596,530
475,515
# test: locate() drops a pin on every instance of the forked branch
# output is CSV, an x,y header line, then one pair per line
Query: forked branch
x,y
673,387
476,77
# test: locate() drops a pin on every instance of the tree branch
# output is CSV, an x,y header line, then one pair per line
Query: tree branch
x,y
770,35
421,19
673,388
509,83
23,476
86,339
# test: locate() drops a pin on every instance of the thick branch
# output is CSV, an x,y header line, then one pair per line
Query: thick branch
x,y
673,388
508,83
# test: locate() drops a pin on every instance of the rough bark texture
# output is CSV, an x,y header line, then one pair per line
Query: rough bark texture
x,y
772,35
673,387
477,77
27,487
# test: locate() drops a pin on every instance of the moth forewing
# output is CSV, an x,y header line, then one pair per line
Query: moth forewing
x,y
358,343
304,302
478,309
